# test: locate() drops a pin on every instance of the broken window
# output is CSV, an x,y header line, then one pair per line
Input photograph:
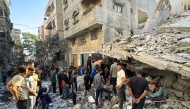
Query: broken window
x,y
73,41
94,34
2,34
82,40
117,8
131,10
75,16
67,24
65,2
53,24
132,32
5,12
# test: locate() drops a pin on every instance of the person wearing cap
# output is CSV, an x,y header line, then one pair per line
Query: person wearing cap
x,y
138,88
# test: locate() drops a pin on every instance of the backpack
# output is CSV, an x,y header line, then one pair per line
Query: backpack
x,y
62,85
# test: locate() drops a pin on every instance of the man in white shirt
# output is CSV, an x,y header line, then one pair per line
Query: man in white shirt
x,y
120,85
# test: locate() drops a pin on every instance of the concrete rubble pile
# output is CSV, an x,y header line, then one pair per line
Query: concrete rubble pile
x,y
172,46
177,86
6,100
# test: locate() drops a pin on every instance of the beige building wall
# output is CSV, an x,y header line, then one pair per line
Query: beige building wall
x,y
90,46
93,15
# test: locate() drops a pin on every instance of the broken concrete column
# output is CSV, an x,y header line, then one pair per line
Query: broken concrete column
x,y
160,15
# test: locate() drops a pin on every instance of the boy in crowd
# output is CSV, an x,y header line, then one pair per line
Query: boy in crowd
x,y
86,83
121,78
31,88
17,86
98,87
44,97
74,87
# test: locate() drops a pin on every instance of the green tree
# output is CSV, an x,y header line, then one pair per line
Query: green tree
x,y
29,43
19,51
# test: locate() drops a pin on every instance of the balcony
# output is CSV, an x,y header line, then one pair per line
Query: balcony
x,y
5,22
92,18
50,19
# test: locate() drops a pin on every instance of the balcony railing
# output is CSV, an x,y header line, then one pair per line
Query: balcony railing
x,y
91,19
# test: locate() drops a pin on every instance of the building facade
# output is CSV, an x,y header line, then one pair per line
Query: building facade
x,y
41,32
6,43
90,23
15,35
53,31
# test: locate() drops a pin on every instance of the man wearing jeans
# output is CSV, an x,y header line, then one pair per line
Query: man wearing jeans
x,y
98,87
120,85
113,74
138,87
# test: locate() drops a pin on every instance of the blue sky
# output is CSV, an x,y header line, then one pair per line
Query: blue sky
x,y
27,12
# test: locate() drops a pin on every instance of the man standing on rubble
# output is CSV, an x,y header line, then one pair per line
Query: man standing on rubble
x,y
31,88
138,88
65,81
113,74
17,86
98,87
120,85
74,87
89,64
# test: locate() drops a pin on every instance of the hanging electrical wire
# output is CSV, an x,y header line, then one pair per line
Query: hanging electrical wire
x,y
26,26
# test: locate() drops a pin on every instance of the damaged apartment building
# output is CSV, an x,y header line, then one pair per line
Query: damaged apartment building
x,y
53,34
91,23
163,50
6,42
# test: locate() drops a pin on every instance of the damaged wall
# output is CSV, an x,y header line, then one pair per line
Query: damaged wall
x,y
145,6
116,24
160,15
179,6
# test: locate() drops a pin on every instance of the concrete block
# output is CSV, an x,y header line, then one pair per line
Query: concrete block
x,y
182,82
169,79
186,97
178,86
178,93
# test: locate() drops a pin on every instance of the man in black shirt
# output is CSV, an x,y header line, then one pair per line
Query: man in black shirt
x,y
74,87
86,82
89,64
138,88
59,77
66,83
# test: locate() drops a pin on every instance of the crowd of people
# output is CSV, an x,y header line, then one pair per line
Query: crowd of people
x,y
27,87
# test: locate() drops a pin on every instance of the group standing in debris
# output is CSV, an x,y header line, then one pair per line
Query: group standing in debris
x,y
27,87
